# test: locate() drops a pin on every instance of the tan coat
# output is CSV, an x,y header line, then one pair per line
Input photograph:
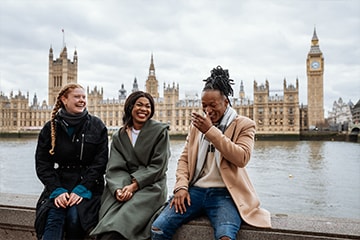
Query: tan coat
x,y
235,146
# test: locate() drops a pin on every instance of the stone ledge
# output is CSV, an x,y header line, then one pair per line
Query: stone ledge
x,y
284,228
17,215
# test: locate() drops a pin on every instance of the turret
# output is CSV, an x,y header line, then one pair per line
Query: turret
x,y
122,92
135,86
242,92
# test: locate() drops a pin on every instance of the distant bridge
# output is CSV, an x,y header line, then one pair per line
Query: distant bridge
x,y
354,132
354,129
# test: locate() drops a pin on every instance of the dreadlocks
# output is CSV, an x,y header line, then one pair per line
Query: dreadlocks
x,y
219,80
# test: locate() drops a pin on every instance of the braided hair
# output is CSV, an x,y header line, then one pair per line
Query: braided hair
x,y
58,105
219,80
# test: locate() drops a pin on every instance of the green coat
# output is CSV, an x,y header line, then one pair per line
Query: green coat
x,y
147,162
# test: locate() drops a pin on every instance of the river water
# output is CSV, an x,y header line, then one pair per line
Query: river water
x,y
291,177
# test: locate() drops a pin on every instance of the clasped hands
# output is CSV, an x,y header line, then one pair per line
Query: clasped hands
x,y
65,200
126,193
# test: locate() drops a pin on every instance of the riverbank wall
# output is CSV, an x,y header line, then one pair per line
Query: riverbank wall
x,y
17,214
304,136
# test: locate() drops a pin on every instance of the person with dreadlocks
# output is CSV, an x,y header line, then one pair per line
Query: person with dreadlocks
x,y
211,178
70,158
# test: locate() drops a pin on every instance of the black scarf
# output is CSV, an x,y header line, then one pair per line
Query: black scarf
x,y
72,120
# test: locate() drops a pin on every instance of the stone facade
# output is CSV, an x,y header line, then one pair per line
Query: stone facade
x,y
275,112
340,118
341,112
355,112
61,72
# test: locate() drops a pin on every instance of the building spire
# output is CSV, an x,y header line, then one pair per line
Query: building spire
x,y
152,83
314,39
63,32
315,48
242,91
135,86
152,67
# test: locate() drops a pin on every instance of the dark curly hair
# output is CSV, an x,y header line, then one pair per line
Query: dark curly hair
x,y
219,80
129,105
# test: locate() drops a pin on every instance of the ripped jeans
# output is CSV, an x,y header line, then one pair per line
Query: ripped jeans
x,y
216,203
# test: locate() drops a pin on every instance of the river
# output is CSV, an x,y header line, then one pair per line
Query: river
x,y
311,178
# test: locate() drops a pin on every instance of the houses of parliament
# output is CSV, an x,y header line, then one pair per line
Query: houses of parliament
x,y
278,113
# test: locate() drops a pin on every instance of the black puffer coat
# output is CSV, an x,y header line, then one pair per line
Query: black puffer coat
x,y
80,159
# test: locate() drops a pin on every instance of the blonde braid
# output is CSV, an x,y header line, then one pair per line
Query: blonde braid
x,y
59,104
53,129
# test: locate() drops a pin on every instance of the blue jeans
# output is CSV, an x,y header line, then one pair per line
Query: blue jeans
x,y
216,203
62,220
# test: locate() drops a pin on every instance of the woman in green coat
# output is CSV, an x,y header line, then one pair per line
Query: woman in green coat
x,y
136,173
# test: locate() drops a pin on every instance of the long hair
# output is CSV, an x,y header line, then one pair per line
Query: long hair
x,y
219,80
129,105
58,105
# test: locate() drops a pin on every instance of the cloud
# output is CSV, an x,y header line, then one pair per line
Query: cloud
x,y
256,40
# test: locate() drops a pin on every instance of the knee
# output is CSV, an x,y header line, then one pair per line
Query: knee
x,y
156,233
225,238
156,230
157,225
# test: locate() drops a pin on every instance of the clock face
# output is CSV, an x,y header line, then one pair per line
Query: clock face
x,y
315,65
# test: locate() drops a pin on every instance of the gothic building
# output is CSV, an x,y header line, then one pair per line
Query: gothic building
x,y
61,72
275,112
340,116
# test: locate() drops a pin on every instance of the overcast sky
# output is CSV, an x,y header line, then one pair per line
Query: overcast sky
x,y
255,40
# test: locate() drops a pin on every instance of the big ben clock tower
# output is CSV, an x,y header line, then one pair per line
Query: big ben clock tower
x,y
315,84
151,83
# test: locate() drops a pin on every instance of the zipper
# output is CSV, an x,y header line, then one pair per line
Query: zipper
x,y
82,146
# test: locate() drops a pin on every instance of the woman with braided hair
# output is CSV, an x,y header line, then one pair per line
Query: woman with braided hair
x,y
211,178
71,157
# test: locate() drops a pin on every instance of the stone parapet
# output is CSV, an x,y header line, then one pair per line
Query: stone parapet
x,y
17,215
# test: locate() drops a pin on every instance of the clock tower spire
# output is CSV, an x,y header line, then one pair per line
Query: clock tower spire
x,y
152,84
315,84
